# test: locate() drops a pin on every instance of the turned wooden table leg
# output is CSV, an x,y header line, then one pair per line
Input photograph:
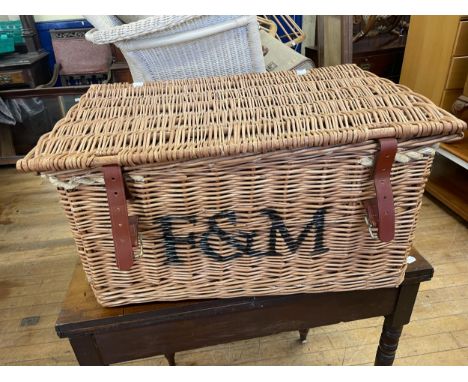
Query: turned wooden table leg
x,y
303,335
388,346
170,358
393,324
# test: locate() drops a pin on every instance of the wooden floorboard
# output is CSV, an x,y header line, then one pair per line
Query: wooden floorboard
x,y
37,258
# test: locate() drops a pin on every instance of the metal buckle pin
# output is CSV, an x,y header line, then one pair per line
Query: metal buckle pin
x,y
369,227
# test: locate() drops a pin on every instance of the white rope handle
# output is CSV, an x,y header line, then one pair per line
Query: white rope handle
x,y
75,181
404,157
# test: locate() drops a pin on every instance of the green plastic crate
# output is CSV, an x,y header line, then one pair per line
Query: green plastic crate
x,y
7,44
12,29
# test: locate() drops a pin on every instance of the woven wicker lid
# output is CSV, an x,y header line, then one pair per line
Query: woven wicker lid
x,y
220,116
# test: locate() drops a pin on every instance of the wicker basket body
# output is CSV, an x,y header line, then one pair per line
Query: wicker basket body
x,y
244,186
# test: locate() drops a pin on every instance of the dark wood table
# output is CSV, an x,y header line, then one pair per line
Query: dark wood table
x,y
102,336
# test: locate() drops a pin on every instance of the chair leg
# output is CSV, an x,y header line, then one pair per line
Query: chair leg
x,y
170,359
303,335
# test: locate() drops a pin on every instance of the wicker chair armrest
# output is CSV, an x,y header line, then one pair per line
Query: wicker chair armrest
x,y
181,37
139,28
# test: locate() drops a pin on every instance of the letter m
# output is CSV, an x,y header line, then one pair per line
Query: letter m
x,y
277,226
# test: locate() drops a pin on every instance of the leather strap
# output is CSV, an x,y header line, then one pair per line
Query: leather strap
x,y
124,228
381,210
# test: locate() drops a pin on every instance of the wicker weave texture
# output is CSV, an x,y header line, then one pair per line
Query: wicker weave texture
x,y
236,192
244,186
173,47
111,30
221,116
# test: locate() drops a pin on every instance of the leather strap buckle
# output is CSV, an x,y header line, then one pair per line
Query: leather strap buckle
x,y
381,210
124,227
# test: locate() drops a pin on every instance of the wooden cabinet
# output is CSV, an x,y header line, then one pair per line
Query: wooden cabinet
x,y
457,73
436,65
430,48
461,48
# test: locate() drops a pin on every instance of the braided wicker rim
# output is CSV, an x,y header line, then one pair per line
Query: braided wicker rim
x,y
182,120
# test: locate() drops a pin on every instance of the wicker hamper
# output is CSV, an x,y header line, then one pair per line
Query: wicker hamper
x,y
256,184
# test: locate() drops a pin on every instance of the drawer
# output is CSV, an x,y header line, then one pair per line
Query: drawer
x,y
457,73
449,97
12,77
461,44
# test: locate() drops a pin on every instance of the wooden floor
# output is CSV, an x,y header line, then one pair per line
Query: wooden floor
x,y
37,256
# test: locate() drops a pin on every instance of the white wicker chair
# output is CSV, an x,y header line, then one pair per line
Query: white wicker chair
x,y
174,47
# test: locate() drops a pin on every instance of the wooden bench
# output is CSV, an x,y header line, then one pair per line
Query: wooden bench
x,y
102,336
